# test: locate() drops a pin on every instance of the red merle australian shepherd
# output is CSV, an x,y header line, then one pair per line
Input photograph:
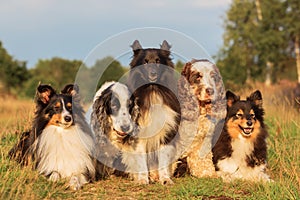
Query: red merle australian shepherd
x,y
241,151
60,142
152,82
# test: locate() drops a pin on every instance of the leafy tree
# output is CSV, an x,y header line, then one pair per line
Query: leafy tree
x,y
13,73
291,23
254,42
56,71
179,66
107,69
235,59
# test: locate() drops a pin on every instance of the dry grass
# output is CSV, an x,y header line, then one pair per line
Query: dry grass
x,y
282,119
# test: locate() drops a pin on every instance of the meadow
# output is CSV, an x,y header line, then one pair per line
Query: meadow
x,y
282,119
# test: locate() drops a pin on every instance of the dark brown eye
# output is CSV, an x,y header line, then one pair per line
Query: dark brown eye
x,y
239,115
252,115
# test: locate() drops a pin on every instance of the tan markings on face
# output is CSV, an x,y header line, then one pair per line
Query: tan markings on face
x,y
55,120
69,105
233,127
57,105
233,124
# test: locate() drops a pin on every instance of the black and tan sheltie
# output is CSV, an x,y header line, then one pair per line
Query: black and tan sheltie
x,y
60,142
241,150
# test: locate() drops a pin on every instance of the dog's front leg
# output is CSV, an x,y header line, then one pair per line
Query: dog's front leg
x,y
136,165
165,159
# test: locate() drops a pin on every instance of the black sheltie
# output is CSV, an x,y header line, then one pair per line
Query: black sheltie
x,y
60,143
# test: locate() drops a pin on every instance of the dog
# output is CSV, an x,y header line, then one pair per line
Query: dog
x,y
241,151
153,84
60,142
202,94
113,121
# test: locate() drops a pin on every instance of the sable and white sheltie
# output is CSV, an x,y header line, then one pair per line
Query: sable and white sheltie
x,y
151,80
60,143
241,151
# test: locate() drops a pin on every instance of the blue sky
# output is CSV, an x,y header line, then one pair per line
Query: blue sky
x,y
41,29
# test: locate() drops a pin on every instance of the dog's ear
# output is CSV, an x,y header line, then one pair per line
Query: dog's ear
x,y
71,89
165,46
186,71
44,93
256,98
100,116
134,108
136,47
231,98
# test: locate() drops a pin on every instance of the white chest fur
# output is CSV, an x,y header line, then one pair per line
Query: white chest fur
x,y
65,151
241,149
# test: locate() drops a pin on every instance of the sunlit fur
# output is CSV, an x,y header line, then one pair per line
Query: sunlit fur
x,y
60,142
151,79
201,80
113,121
241,151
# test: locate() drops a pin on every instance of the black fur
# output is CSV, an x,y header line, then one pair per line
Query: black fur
x,y
223,148
152,71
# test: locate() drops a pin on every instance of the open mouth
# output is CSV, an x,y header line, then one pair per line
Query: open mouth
x,y
246,131
203,103
152,79
121,134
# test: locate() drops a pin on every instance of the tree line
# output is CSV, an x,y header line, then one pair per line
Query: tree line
x,y
17,80
261,42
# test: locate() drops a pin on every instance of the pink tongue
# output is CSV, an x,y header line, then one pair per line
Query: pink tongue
x,y
247,130
122,133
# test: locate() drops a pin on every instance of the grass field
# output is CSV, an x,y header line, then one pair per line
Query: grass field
x,y
282,119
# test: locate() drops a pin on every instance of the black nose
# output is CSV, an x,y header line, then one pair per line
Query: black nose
x,y
249,123
125,128
153,73
68,118
210,91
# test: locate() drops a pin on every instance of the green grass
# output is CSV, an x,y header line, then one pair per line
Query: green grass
x,y
283,122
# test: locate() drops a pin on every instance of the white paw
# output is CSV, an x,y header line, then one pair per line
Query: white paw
x,y
166,181
141,179
55,176
74,183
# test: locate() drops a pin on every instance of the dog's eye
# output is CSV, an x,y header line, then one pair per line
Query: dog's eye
x,y
214,77
252,115
56,108
146,61
239,115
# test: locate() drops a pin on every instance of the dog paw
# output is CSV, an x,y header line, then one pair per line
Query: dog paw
x,y
142,182
166,181
55,176
74,183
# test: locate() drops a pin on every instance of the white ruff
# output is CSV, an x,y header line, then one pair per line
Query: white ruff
x,y
235,167
65,151
241,149
156,123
